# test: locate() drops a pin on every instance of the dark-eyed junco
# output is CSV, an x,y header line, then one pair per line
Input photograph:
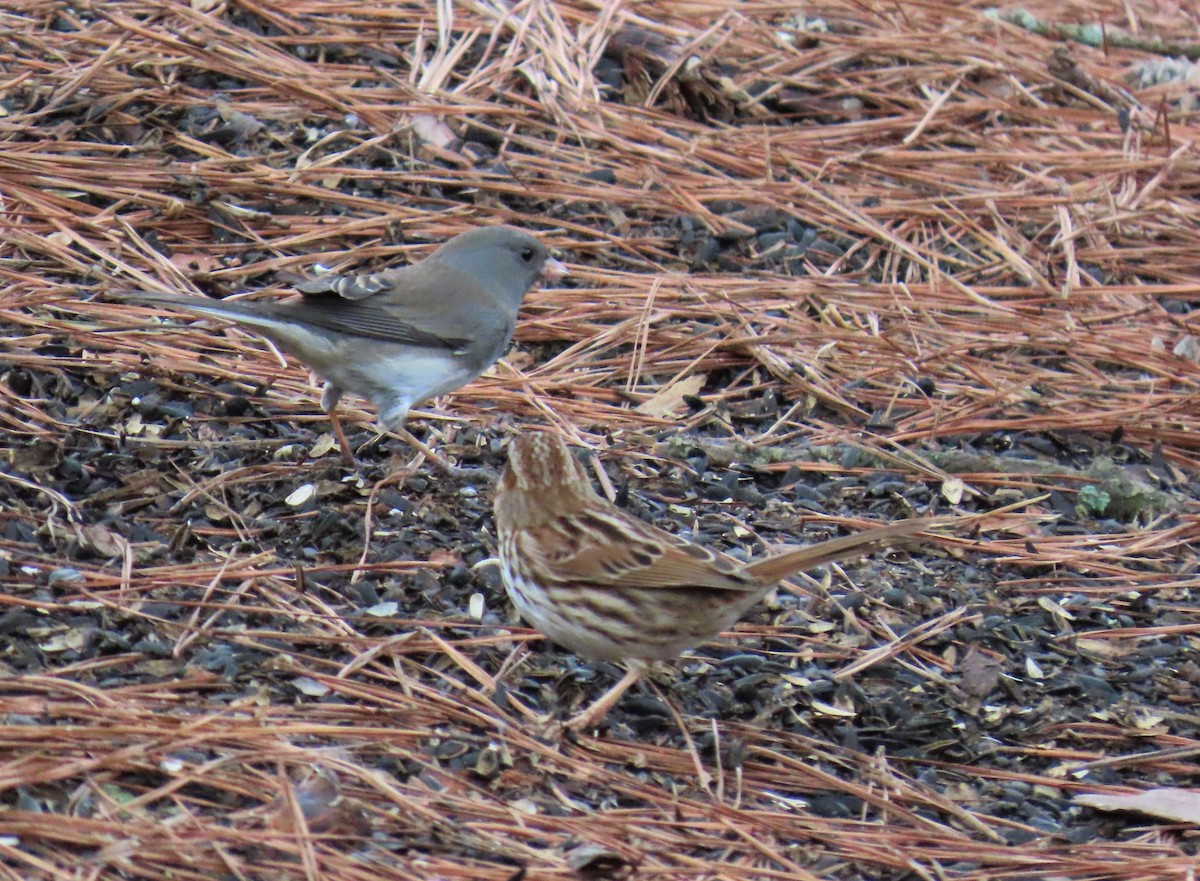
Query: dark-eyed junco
x,y
399,336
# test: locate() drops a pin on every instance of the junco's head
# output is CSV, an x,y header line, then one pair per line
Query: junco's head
x,y
509,260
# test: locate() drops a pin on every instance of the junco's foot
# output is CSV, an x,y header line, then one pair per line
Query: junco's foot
x,y
399,336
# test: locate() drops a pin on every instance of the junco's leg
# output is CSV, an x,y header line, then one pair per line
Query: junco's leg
x,y
330,396
392,416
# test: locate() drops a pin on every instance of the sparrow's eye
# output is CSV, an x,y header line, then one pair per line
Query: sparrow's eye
x,y
527,254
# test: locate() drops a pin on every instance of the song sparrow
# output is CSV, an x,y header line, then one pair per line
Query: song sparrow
x,y
610,587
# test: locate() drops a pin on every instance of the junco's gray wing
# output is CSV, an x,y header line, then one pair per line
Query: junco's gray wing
x,y
335,317
427,304
464,297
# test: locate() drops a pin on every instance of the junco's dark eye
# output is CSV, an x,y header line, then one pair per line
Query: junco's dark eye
x,y
527,254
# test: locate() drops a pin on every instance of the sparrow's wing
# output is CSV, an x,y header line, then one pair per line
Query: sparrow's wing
x,y
622,551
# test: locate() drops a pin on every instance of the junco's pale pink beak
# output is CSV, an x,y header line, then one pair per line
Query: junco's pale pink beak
x,y
552,268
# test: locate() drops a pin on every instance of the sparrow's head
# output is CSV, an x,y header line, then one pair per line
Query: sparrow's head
x,y
505,260
543,481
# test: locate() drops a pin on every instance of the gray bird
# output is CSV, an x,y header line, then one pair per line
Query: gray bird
x,y
399,336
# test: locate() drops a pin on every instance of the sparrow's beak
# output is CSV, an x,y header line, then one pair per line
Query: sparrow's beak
x,y
553,268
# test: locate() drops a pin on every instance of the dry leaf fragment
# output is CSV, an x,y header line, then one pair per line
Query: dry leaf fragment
x,y
980,673
1188,347
823,709
669,401
444,557
301,494
103,541
190,261
325,444
593,861
433,130
243,125
323,810
953,489
306,685
1178,805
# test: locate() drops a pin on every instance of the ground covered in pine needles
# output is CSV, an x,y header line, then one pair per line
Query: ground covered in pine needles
x,y
828,265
